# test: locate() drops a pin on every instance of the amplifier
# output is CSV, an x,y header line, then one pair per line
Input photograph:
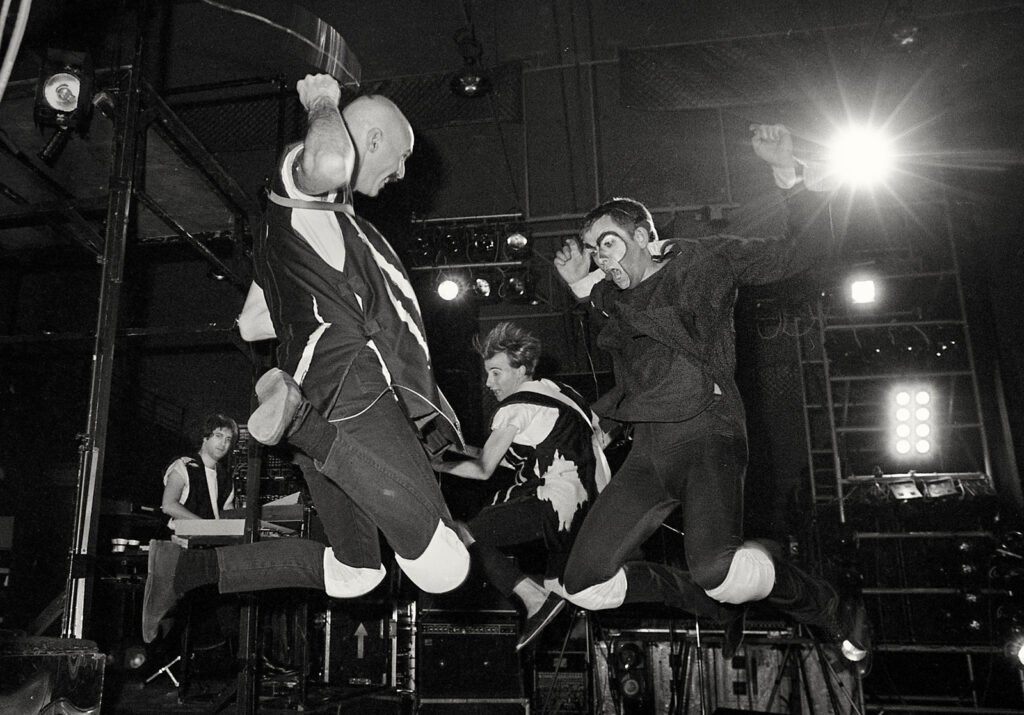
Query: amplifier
x,y
561,683
467,660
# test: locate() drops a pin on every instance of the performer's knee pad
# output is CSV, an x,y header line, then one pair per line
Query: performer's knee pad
x,y
750,578
607,594
344,581
442,566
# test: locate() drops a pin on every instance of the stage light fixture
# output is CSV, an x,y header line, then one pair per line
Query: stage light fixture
x,y
449,288
471,81
63,99
911,428
453,243
486,285
937,488
424,246
861,156
482,288
64,90
482,244
905,491
516,246
517,287
862,291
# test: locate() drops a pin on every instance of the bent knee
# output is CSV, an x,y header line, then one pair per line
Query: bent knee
x,y
750,577
442,566
606,594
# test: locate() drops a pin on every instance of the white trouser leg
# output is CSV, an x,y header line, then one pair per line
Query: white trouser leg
x,y
442,566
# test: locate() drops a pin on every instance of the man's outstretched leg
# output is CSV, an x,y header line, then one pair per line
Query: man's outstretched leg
x,y
760,571
279,563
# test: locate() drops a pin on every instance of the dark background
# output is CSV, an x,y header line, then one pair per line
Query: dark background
x,y
592,100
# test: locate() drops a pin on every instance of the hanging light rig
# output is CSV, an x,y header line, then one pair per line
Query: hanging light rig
x,y
479,256
63,99
471,81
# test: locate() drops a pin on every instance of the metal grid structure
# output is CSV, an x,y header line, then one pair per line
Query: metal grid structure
x,y
921,525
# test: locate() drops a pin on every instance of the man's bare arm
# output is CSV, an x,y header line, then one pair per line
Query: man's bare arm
x,y
328,157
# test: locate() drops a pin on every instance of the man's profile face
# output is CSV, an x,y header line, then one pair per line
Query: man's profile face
x,y
502,378
614,251
385,163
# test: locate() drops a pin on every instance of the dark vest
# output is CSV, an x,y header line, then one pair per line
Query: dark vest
x,y
570,436
198,501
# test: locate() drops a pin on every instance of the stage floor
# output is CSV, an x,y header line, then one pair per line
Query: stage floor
x,y
277,696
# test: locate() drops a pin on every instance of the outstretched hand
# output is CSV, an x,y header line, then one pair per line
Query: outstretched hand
x,y
572,263
316,87
774,144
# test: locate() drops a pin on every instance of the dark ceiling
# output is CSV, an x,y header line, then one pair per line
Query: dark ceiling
x,y
706,53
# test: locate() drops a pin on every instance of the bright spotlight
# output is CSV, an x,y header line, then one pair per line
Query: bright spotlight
x,y
861,156
862,291
448,289
910,421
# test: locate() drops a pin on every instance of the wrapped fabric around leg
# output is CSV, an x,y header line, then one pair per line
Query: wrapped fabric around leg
x,y
751,576
607,594
442,566
344,581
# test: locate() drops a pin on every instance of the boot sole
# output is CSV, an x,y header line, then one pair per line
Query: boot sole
x,y
267,423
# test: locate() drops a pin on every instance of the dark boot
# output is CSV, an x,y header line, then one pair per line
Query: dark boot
x,y
733,630
813,601
807,599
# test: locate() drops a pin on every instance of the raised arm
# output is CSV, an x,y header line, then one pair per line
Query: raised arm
x,y
328,156
774,144
807,242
